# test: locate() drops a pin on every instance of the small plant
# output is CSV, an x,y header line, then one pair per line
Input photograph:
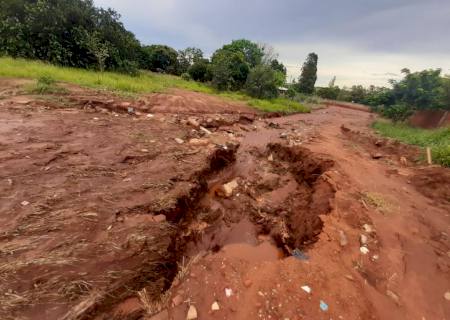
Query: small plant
x,y
186,76
46,84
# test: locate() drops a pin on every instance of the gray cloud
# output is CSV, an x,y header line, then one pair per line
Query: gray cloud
x,y
345,33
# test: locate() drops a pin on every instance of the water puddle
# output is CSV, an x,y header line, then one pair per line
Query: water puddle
x,y
265,251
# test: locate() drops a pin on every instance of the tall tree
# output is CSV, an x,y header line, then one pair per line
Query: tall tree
x,y
308,76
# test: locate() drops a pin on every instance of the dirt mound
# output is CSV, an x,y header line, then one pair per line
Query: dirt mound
x,y
381,148
434,182
430,119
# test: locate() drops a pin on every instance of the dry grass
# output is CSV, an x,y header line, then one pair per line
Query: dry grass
x,y
153,306
375,200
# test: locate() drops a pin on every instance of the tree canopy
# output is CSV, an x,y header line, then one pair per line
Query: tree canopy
x,y
308,76
62,31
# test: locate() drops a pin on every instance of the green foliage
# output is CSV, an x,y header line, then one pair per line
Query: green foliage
x,y
419,90
186,76
445,93
438,139
58,31
145,82
331,93
160,58
200,70
251,52
279,105
187,57
229,70
46,84
278,66
397,112
262,82
308,76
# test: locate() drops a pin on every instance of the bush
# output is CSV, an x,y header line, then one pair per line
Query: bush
x,y
46,84
262,82
160,58
229,70
199,70
398,112
186,76
331,93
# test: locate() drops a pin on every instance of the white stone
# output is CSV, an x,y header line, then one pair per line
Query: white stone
x,y
228,292
179,141
192,313
364,250
215,306
306,289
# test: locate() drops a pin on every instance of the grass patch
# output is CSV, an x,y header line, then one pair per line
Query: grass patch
x,y
437,139
145,82
375,200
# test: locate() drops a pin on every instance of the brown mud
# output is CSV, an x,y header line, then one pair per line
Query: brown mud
x,y
143,209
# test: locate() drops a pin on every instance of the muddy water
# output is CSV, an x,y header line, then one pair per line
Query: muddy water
x,y
265,251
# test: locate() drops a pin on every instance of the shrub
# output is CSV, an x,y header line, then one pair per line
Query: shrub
x,y
199,70
398,112
186,76
46,84
262,82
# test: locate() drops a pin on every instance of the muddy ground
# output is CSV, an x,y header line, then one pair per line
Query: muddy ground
x,y
176,204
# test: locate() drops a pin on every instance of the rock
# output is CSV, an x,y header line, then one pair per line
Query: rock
x,y
24,203
177,300
447,296
192,313
144,150
227,189
205,130
193,122
363,239
307,289
163,315
150,115
283,135
199,142
403,161
368,228
130,110
379,143
159,218
342,238
179,141
364,250
377,155
215,306
393,296
270,158
89,215
228,292
24,101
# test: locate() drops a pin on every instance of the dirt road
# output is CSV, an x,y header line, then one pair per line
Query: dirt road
x,y
162,208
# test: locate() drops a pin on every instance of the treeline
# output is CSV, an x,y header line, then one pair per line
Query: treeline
x,y
76,33
427,89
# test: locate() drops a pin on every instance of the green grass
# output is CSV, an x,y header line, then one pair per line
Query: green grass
x,y
438,139
146,82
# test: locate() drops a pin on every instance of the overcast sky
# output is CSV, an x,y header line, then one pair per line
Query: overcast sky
x,y
358,41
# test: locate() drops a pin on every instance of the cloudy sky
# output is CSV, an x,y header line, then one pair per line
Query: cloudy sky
x,y
358,41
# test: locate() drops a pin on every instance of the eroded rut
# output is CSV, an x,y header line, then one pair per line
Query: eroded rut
x,y
255,202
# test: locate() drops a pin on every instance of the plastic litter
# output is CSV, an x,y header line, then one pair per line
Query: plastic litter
x,y
323,306
300,255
